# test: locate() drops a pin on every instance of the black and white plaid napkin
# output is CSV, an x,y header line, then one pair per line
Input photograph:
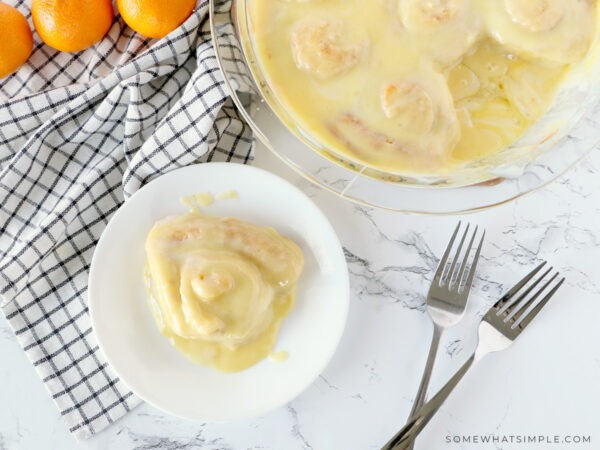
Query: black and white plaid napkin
x,y
79,133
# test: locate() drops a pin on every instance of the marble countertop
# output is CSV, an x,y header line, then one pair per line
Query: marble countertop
x,y
545,384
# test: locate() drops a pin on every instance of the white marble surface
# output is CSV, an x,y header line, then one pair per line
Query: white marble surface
x,y
545,384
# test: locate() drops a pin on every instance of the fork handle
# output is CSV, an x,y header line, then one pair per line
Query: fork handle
x,y
426,378
417,422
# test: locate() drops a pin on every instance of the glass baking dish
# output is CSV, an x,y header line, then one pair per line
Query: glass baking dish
x,y
552,146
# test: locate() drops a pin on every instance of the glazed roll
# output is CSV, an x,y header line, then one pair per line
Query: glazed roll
x,y
219,281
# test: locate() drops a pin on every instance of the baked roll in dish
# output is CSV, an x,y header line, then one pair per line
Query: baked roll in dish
x,y
419,87
432,25
325,48
219,288
558,31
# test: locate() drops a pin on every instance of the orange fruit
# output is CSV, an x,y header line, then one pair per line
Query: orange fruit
x,y
155,18
16,40
71,25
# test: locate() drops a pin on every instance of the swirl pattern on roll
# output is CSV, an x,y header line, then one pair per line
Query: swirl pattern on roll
x,y
216,280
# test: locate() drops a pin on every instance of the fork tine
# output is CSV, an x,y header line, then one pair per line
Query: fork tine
x,y
442,264
463,265
521,308
457,254
514,306
471,274
535,311
516,288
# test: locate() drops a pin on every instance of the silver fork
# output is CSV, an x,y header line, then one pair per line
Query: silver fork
x,y
500,326
447,300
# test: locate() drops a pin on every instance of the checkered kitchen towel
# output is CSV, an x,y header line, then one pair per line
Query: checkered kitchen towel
x,y
78,134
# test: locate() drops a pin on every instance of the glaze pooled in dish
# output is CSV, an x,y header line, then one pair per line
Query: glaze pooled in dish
x,y
220,287
413,86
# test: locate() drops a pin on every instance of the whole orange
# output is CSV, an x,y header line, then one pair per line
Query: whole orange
x,y
16,40
71,25
155,18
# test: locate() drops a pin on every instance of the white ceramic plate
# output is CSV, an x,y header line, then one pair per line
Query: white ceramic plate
x,y
147,362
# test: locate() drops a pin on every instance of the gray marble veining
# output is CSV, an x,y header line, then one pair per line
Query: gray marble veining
x,y
366,391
